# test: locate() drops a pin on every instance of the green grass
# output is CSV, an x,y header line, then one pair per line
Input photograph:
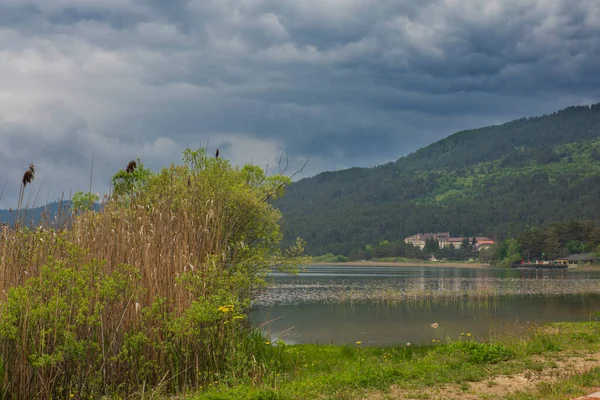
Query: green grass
x,y
352,371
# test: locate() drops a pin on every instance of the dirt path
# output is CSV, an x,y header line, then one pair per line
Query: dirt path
x,y
498,387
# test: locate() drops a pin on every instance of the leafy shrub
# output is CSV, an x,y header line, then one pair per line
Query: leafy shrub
x,y
148,293
59,331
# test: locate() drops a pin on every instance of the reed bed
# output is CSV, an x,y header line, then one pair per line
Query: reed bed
x,y
146,295
418,289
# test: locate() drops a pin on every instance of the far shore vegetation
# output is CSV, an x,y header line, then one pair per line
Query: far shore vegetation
x,y
496,181
559,239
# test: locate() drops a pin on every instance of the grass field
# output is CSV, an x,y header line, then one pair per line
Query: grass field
x,y
556,361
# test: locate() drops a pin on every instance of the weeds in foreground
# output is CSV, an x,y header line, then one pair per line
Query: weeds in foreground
x,y
353,371
147,295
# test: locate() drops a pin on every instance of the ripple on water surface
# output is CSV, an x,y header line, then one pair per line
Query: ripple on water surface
x,y
396,305
406,289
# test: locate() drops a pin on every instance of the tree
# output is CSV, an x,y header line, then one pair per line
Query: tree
x,y
465,244
130,181
447,253
83,201
431,246
531,243
575,247
368,252
486,255
512,252
552,247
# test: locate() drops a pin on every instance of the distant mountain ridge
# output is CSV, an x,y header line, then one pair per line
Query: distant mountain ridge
x,y
36,214
490,181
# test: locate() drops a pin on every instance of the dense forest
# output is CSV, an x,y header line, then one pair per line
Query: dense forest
x,y
496,181
558,239
398,250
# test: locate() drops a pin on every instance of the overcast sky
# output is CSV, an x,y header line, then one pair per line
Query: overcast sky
x,y
340,82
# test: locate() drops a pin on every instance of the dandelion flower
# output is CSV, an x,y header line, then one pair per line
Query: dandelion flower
x,y
468,335
267,342
432,340
434,325
225,309
358,343
462,334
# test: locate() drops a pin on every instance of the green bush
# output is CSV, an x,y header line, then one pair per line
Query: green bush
x,y
148,294
62,324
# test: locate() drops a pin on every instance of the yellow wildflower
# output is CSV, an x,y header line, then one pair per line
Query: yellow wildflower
x,y
468,335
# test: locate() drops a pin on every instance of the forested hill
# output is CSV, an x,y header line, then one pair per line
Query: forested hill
x,y
33,216
491,181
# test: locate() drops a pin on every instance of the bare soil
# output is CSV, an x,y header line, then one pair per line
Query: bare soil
x,y
498,387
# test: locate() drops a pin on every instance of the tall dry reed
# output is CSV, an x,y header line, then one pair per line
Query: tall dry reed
x,y
146,293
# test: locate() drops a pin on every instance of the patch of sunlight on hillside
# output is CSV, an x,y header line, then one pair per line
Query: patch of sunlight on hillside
x,y
452,193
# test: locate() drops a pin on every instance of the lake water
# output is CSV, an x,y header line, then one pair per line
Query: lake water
x,y
396,305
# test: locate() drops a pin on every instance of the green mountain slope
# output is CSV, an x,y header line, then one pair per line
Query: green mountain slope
x,y
490,181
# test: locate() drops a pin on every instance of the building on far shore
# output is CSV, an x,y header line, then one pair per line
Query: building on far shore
x,y
444,239
420,239
576,259
483,243
456,242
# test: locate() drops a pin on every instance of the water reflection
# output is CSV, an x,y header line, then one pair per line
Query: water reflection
x,y
374,305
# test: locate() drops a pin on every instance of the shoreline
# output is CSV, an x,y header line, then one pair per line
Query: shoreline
x,y
405,264
586,268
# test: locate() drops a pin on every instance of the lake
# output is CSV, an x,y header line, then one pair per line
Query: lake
x,y
395,305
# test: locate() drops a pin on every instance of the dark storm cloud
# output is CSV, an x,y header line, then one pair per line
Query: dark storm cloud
x,y
342,82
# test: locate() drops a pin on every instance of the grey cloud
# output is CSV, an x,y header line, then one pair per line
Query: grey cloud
x,y
356,82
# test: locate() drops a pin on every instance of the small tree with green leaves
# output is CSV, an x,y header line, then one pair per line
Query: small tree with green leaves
x,y
83,201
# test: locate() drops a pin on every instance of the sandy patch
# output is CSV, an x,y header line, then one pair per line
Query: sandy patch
x,y
498,387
